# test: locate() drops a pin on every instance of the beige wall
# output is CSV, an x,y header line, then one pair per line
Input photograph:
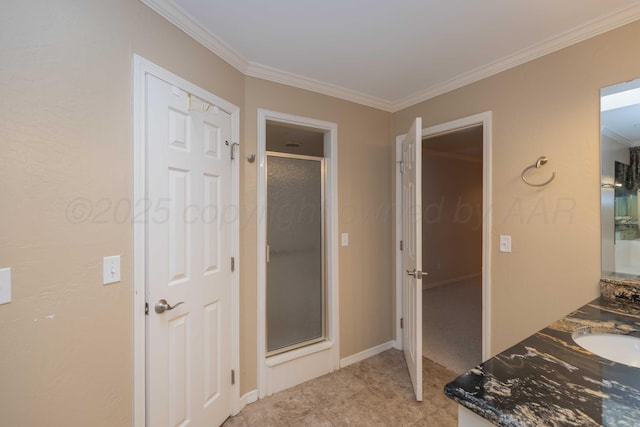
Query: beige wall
x,y
65,133
550,107
364,205
452,218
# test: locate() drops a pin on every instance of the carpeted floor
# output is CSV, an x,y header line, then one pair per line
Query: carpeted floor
x,y
452,324
374,392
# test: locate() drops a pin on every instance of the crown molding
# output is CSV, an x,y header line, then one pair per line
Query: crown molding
x,y
616,137
216,45
578,34
186,23
290,79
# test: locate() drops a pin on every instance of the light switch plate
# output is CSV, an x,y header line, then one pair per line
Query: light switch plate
x,y
345,239
5,285
110,269
505,243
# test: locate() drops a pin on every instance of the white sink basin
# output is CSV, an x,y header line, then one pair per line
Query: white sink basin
x,y
618,348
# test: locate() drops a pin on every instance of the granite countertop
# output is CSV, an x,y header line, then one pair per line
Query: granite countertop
x,y
547,379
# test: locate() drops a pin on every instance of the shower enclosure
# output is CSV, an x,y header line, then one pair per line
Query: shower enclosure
x,y
295,291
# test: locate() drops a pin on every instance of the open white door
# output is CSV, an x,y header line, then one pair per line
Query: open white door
x,y
411,168
189,247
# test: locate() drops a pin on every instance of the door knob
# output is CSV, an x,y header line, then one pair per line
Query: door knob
x,y
163,305
416,273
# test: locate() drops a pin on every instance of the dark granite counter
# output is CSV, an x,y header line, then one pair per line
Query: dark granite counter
x,y
549,380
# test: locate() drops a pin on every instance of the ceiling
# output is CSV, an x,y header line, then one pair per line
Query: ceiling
x,y
388,54
620,118
294,139
623,124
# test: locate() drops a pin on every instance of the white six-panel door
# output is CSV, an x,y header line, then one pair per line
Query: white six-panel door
x,y
412,254
189,216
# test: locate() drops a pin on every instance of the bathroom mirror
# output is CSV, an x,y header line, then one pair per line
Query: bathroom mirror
x,y
620,178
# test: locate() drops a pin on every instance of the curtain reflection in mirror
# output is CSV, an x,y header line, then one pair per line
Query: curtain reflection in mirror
x,y
632,182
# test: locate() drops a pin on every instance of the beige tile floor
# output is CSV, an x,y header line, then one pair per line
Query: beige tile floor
x,y
374,392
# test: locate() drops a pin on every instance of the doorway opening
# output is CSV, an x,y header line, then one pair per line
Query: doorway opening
x,y
452,248
297,250
434,210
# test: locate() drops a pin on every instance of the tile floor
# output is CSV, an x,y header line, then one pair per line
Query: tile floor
x,y
374,392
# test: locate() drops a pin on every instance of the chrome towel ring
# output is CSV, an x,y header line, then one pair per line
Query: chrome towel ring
x,y
540,162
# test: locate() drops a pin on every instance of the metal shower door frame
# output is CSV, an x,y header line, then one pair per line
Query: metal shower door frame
x,y
323,171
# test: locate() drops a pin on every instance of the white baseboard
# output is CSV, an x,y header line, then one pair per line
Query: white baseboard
x,y
350,360
447,281
249,397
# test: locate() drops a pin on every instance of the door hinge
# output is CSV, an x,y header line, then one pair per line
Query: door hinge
x,y
233,264
233,146
267,254
401,322
401,245
233,377
401,166
146,308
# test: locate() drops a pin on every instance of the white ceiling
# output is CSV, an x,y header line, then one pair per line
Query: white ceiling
x,y
622,122
389,54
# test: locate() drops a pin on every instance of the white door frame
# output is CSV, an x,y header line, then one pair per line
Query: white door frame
x,y
140,206
483,119
331,345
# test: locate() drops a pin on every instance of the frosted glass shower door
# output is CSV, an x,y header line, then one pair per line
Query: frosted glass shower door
x,y
295,252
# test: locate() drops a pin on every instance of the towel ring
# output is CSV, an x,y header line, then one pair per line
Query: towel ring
x,y
540,162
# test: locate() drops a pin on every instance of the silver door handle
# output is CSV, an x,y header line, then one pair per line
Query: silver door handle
x,y
416,273
163,305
